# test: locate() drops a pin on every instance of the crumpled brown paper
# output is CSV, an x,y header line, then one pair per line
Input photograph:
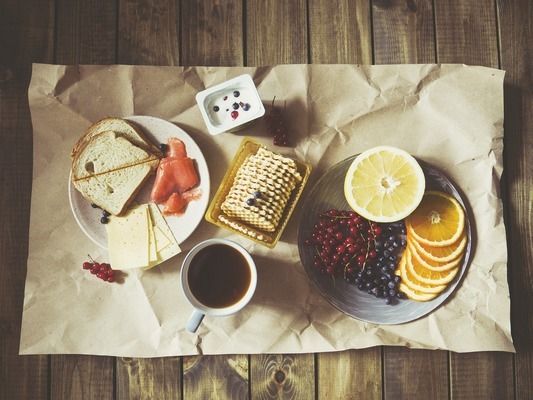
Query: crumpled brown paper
x,y
448,115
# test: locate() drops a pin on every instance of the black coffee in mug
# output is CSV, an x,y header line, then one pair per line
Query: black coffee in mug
x,y
219,276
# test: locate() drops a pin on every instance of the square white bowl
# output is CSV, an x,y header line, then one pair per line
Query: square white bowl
x,y
222,96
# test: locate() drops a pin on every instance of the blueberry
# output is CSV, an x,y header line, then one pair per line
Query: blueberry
x,y
360,274
368,272
384,270
381,259
257,195
235,106
104,220
393,259
391,249
386,253
391,285
236,93
246,106
388,300
392,265
360,286
403,242
250,202
397,279
395,244
368,285
400,295
378,244
94,205
106,213
393,292
216,108
357,281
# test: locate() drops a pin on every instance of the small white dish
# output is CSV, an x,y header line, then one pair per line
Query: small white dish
x,y
230,105
158,131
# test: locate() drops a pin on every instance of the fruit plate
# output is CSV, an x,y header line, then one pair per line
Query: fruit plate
x,y
346,297
158,130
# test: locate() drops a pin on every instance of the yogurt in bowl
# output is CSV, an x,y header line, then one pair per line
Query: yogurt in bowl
x,y
230,105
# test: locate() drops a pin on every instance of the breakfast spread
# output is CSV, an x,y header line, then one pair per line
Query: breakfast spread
x,y
176,176
397,239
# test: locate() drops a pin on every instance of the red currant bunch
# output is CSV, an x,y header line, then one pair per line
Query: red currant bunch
x,y
101,270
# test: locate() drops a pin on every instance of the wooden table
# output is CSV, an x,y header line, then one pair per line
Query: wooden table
x,y
498,34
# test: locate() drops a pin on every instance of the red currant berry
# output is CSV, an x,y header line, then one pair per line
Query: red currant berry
x,y
110,278
87,265
360,259
377,230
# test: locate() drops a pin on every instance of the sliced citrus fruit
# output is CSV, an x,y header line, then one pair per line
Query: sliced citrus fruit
x,y
432,265
438,221
384,184
441,254
414,283
415,294
425,275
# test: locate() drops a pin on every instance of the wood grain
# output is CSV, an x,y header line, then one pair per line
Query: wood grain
x,y
276,32
466,32
403,31
279,376
81,377
154,378
415,374
212,32
216,377
86,32
148,32
26,35
354,374
339,32
475,377
516,27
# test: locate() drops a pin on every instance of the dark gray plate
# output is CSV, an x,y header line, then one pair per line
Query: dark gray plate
x,y
328,193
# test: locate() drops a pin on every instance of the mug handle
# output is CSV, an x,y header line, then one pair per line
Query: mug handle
x,y
194,321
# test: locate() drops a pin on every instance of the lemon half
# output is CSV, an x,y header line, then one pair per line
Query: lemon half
x,y
384,184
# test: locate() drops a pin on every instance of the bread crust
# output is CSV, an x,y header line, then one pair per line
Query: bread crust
x,y
94,130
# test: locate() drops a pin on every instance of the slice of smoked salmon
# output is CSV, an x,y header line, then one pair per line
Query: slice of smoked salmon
x,y
176,148
175,173
175,205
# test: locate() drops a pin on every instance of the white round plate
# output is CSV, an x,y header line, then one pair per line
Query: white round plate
x,y
182,226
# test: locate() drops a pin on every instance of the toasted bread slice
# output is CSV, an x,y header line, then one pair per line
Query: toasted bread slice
x,y
126,129
107,152
113,191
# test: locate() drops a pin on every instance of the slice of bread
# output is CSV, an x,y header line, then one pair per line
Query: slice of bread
x,y
107,152
114,190
126,129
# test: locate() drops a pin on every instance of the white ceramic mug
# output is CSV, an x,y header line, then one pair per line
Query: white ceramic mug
x,y
201,310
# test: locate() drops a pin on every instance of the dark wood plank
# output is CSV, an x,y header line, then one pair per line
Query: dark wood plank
x,y
216,377
415,374
212,35
516,27
155,378
466,32
276,32
403,31
86,32
26,35
212,32
354,374
81,377
339,32
473,376
280,376
148,32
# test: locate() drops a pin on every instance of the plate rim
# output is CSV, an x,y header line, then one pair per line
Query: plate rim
x,y
469,250
133,118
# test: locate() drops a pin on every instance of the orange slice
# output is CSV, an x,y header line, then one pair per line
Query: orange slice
x,y
438,221
426,275
414,283
415,294
432,265
441,254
